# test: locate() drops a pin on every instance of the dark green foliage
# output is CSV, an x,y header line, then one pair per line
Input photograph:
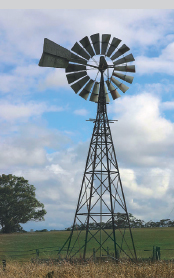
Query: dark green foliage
x,y
121,222
18,203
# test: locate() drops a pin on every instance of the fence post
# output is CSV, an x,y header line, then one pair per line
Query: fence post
x,y
37,253
158,253
117,254
154,253
94,255
4,264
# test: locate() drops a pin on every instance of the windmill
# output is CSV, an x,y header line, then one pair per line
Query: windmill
x,y
101,217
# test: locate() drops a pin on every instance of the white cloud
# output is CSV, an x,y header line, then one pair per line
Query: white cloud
x,y
23,111
81,112
161,64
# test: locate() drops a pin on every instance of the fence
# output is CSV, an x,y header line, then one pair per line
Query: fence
x,y
47,253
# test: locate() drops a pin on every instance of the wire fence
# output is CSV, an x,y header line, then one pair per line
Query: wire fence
x,y
53,253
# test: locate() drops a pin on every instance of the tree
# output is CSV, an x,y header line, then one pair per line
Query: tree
x,y
18,203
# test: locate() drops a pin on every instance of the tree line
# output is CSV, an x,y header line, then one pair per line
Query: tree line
x,y
120,222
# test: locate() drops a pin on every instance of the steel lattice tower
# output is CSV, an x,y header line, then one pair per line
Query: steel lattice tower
x,y
101,196
101,219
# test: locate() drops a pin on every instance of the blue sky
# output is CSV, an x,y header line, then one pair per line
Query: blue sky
x,y
44,133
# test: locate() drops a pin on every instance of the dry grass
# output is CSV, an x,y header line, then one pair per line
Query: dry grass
x,y
89,270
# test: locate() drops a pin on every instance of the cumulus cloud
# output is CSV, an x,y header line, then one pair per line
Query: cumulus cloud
x,y
23,111
81,112
39,148
161,64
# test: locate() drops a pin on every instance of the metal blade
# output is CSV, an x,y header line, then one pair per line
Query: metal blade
x,y
74,67
87,45
75,76
112,90
49,60
85,92
94,97
115,42
76,59
53,48
54,55
127,78
106,95
126,59
96,88
123,49
104,44
79,84
120,85
96,43
79,50
115,94
126,68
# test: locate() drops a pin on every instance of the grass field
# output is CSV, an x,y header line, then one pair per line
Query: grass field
x,y
22,246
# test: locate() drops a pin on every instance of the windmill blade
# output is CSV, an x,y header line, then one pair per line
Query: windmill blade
x,y
115,42
127,68
104,44
54,55
120,85
76,59
87,45
123,49
115,94
86,91
127,78
80,51
95,92
126,59
112,90
96,43
75,76
106,94
74,67
79,84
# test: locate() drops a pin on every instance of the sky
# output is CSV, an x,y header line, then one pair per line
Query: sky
x,y
44,133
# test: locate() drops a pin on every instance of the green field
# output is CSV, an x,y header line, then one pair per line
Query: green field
x,y
22,246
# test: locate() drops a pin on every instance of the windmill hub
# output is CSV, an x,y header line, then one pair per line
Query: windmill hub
x,y
103,64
